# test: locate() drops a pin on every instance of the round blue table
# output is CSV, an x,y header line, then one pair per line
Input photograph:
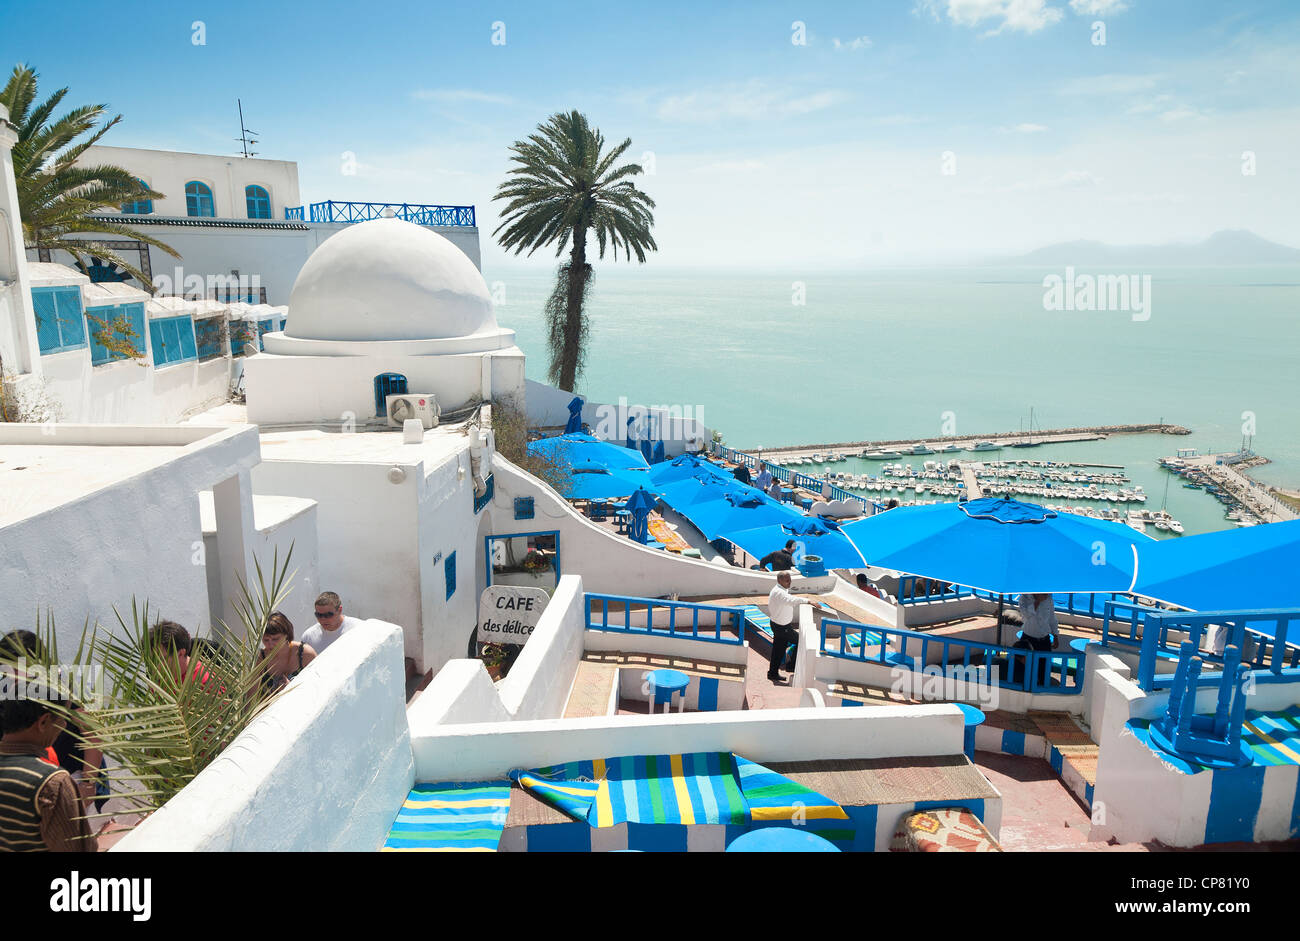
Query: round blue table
x,y
973,718
1080,644
781,840
664,684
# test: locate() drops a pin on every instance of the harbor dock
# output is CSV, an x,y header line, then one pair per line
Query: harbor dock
x,y
1004,439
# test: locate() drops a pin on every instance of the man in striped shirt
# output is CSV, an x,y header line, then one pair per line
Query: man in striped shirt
x,y
40,810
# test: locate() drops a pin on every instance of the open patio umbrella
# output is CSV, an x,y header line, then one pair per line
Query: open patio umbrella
x,y
684,467
1238,569
588,481
736,509
1002,546
819,537
572,448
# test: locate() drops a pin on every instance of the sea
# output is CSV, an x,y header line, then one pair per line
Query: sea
x,y
775,359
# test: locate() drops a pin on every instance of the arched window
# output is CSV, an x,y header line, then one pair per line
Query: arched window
x,y
198,199
141,207
259,202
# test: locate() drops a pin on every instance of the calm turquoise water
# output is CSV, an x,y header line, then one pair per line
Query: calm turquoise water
x,y
887,353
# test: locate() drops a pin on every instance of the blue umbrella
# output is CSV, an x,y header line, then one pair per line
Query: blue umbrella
x,y
1002,546
736,510
575,416
639,506
658,457
600,483
818,537
686,466
573,448
1238,569
701,488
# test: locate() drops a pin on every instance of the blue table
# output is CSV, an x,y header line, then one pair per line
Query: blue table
x,y
621,517
781,840
973,718
1080,644
664,684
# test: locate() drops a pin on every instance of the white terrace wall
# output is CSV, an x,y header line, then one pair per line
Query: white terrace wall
x,y
612,564
138,537
478,752
1143,797
325,767
539,682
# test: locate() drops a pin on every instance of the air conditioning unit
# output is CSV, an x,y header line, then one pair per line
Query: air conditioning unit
x,y
412,405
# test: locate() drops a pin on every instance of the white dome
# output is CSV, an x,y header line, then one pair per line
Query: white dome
x,y
388,279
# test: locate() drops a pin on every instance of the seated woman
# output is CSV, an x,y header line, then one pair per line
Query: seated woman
x,y
284,657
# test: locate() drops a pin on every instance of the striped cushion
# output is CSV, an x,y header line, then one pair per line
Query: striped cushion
x,y
776,800
1273,737
451,818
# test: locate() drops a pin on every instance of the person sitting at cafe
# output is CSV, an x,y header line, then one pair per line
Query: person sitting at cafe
x,y
779,560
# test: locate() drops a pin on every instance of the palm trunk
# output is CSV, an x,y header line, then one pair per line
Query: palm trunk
x,y
572,353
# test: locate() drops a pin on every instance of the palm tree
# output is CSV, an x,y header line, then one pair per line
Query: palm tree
x,y
561,187
56,197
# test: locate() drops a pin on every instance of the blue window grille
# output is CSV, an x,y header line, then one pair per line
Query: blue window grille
x,y
207,337
480,502
173,340
243,333
386,384
259,202
198,199
523,508
449,570
264,327
141,207
114,319
60,324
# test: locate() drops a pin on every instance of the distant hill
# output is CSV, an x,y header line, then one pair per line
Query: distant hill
x,y
1229,247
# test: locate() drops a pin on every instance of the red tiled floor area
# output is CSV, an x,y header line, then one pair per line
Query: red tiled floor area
x,y
1038,812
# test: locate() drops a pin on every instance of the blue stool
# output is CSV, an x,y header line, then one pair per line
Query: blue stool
x,y
621,517
664,684
973,718
781,840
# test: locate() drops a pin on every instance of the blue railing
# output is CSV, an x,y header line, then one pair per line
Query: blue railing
x,y
480,502
334,211
1019,669
679,626
915,590
1265,651
785,475
294,212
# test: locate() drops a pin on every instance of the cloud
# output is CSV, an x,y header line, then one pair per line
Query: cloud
x,y
1181,113
1027,16
729,166
461,95
853,45
1097,7
749,101
1027,128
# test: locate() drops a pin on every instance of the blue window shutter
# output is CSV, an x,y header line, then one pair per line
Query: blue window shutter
x,y
259,202
449,571
523,508
135,316
99,353
157,342
185,326
72,323
171,341
47,320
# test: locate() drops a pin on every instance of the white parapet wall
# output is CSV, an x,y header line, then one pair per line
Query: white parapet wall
x,y
1143,795
485,751
540,680
325,767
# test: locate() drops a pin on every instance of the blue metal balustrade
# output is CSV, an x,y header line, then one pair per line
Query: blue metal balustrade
x,y
480,502
336,211
1032,671
295,212
1261,635
728,625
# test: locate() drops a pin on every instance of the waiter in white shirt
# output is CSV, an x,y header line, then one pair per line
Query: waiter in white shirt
x,y
783,610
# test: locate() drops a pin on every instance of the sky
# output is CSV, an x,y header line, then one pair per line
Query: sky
x,y
774,135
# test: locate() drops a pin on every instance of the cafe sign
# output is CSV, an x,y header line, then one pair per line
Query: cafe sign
x,y
507,614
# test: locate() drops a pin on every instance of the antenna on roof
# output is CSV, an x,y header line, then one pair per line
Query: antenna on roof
x,y
244,133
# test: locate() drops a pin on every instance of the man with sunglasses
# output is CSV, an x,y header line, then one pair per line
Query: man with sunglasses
x,y
330,623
